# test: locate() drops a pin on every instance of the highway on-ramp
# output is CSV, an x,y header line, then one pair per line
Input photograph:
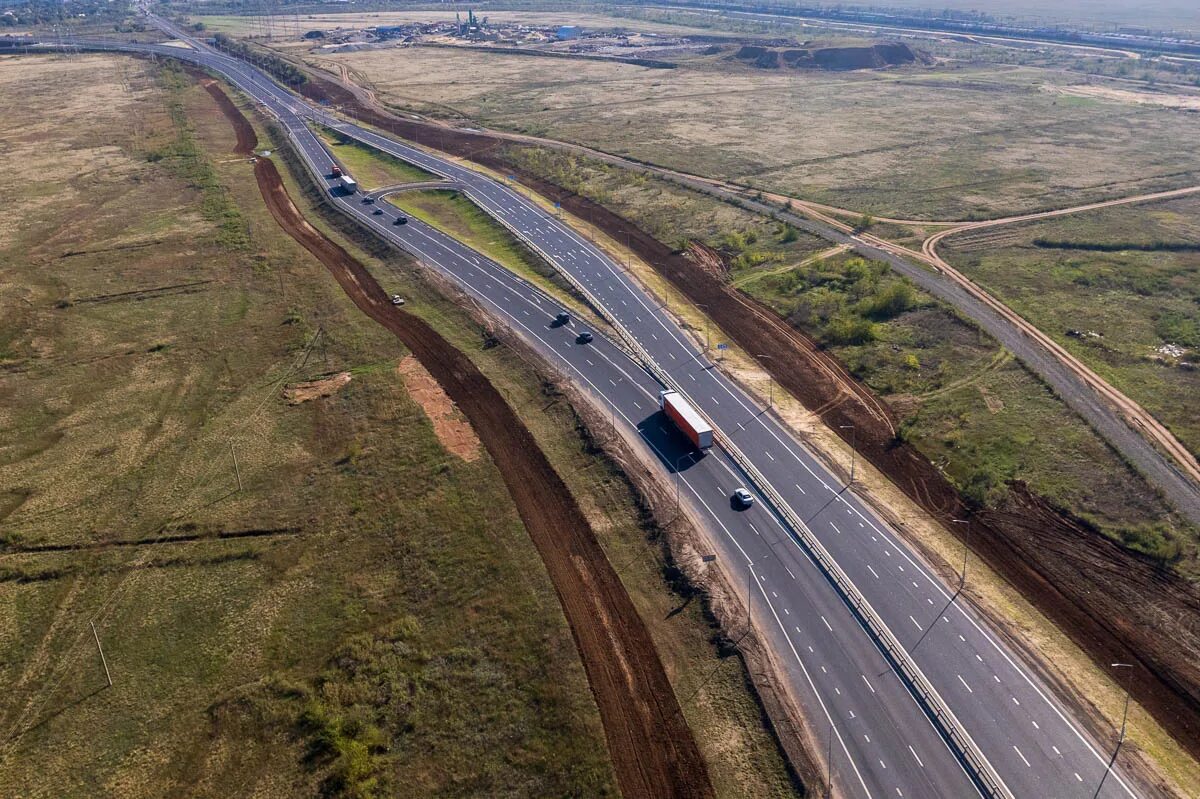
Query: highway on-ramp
x,y
885,743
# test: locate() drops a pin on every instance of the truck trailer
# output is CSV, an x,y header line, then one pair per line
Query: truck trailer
x,y
349,184
686,418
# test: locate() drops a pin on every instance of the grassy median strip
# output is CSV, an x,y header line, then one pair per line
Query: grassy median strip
x,y
371,168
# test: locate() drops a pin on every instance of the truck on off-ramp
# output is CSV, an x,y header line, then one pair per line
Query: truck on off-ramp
x,y
686,418
349,184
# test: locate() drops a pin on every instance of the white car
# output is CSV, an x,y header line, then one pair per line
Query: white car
x,y
743,497
397,299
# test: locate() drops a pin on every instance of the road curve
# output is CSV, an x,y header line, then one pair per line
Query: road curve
x,y
833,667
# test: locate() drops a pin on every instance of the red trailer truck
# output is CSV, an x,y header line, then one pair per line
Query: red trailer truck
x,y
686,418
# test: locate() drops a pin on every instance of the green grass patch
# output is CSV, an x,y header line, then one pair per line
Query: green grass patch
x,y
453,213
371,168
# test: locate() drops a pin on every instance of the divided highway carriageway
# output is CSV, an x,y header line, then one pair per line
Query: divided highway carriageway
x,y
918,697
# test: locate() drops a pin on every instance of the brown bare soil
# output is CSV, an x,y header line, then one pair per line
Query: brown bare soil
x,y
653,751
451,428
311,389
1116,605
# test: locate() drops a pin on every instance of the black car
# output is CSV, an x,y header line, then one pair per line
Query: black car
x,y
378,212
401,220
368,200
585,337
562,318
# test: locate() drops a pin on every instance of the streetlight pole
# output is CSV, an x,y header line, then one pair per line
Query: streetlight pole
x,y
770,380
1121,738
853,447
829,763
966,534
707,327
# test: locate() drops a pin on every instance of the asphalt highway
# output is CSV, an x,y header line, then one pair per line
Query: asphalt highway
x,y
883,742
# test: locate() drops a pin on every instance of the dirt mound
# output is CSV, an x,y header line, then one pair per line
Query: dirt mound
x,y
297,393
1097,596
653,751
451,428
879,56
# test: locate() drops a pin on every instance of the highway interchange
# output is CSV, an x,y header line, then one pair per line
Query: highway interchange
x,y
884,742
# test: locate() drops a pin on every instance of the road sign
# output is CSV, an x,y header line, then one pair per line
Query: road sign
x,y
722,346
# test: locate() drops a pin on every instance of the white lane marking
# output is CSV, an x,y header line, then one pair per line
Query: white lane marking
x,y
964,682
827,627
873,571
918,757
1018,751
868,682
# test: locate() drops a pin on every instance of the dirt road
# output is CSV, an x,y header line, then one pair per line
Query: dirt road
x,y
653,751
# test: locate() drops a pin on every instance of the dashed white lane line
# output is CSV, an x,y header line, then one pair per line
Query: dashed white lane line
x,y
835,528
873,571
916,623
768,454
1018,751
801,490
827,627
914,754
868,682
964,682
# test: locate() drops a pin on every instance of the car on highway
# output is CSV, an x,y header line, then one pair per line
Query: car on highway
x,y
584,337
401,220
378,212
743,498
562,318
368,200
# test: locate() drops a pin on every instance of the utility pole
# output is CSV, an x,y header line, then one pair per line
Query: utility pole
x,y
100,649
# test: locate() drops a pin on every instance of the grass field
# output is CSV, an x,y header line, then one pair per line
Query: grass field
x,y
382,622
233,657
1127,280
952,141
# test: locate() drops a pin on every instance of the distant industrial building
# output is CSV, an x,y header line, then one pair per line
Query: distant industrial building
x,y
569,32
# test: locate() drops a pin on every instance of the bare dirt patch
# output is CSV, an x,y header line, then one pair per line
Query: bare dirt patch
x,y
298,393
452,429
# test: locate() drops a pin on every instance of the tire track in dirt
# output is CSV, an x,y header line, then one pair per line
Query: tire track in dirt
x,y
653,751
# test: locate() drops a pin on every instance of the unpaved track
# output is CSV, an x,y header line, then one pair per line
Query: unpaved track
x,y
653,751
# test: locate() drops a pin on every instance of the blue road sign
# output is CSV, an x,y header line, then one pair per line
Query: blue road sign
x,y
722,346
